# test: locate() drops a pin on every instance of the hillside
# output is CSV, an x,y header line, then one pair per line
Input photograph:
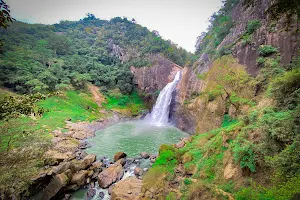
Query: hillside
x,y
238,98
40,58
241,100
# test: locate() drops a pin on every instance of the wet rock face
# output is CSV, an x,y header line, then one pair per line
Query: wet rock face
x,y
150,80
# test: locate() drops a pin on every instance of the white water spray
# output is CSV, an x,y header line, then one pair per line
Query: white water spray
x,y
161,109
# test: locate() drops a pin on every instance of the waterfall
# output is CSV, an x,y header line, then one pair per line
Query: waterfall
x,y
161,109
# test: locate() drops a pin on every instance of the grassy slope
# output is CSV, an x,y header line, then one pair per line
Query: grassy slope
x,y
130,105
70,105
204,158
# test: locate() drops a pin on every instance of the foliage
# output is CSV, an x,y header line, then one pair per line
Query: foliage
x,y
168,157
5,17
130,102
266,50
290,8
12,106
230,81
281,191
220,25
42,58
252,26
285,89
244,154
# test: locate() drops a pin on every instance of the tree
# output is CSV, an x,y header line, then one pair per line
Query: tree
x,y
5,17
230,81
290,8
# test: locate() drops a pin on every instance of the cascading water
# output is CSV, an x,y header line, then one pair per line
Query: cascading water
x,y
161,110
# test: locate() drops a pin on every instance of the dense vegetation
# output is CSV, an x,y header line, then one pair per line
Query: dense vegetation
x,y
258,141
254,154
41,58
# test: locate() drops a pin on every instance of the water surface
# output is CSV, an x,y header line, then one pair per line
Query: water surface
x,y
133,138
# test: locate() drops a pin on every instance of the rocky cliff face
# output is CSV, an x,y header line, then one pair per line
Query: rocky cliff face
x,y
190,112
150,80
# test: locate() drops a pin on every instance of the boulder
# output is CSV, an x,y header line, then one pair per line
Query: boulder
x,y
127,189
110,189
58,182
62,167
138,171
110,175
180,145
84,163
73,187
145,155
97,164
121,161
152,158
90,193
119,155
101,195
89,159
53,157
79,178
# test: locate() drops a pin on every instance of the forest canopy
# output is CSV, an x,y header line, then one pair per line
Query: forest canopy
x,y
39,58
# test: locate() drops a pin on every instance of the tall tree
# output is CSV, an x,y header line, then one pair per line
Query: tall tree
x,y
5,17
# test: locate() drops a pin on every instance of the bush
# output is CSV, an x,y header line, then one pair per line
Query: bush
x,y
243,153
252,26
14,106
246,39
281,191
260,61
187,181
266,50
285,89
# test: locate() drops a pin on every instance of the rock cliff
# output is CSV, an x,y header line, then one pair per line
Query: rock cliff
x,y
189,112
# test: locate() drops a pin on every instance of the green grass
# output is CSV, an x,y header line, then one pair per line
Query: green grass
x,y
72,105
131,103
75,106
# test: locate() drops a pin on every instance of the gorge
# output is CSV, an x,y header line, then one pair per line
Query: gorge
x,y
107,109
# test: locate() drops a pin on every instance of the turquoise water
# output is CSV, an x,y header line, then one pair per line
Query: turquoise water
x,y
133,138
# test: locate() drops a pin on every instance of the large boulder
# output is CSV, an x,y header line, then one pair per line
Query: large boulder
x,y
119,155
145,155
78,165
110,175
79,178
127,189
58,182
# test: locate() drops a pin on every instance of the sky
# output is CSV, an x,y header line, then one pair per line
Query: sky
x,y
181,21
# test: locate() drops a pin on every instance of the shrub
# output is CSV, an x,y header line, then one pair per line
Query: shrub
x,y
252,26
266,50
187,181
243,153
260,61
246,39
285,89
14,106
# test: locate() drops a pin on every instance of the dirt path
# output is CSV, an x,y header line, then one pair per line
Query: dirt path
x,y
98,97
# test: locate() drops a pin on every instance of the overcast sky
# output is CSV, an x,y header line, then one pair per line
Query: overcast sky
x,y
178,20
